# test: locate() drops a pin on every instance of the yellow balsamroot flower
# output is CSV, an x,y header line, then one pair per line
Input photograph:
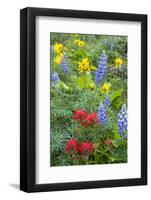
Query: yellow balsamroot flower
x,y
58,58
80,43
105,88
84,66
58,48
118,62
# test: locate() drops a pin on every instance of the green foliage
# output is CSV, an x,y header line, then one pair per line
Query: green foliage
x,y
84,81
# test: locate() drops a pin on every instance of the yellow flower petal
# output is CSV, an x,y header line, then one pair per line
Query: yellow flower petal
x,y
58,48
84,66
80,43
58,58
118,62
105,88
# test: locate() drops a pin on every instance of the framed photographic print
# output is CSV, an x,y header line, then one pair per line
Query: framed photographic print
x,y
83,99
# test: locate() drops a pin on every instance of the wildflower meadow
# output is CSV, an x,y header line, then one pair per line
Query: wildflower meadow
x,y
88,99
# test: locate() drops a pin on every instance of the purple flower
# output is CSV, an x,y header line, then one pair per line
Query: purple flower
x,y
55,77
51,49
107,101
64,65
102,117
99,74
122,122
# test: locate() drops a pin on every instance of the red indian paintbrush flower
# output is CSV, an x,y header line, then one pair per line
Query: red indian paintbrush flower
x,y
80,116
85,120
86,148
72,146
91,119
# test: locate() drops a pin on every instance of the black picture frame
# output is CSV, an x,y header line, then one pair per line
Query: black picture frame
x,y
28,99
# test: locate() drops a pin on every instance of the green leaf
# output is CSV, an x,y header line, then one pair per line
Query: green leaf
x,y
116,136
62,85
115,95
84,80
119,156
80,82
115,131
116,143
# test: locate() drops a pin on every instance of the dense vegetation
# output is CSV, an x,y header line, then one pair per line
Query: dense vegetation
x,y
88,99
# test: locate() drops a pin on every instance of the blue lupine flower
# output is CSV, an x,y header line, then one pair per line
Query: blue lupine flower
x,y
107,101
99,74
55,77
64,65
122,122
102,117
51,50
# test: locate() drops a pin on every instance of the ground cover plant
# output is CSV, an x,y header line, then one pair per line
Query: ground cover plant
x,y
88,99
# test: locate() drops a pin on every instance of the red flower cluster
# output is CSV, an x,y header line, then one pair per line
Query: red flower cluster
x,y
84,119
91,119
80,116
72,146
85,148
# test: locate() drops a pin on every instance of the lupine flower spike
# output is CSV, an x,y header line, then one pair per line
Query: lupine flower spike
x,y
55,77
107,101
51,50
122,122
102,117
99,74
64,65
